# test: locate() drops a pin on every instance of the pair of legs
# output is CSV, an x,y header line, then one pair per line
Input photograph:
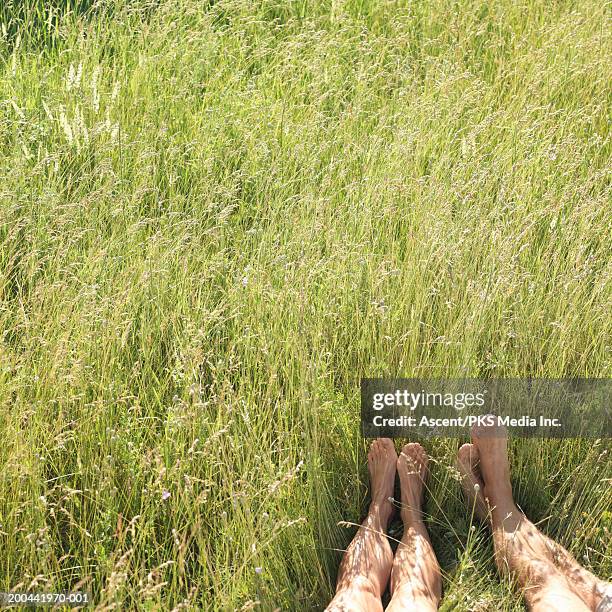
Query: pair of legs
x,y
549,577
368,562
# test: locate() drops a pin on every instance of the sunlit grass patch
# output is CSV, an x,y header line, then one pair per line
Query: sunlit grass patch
x,y
215,217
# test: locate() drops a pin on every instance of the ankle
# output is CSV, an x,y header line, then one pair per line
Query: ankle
x,y
410,516
499,494
381,511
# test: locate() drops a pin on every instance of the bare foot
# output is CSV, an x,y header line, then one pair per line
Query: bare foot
x,y
412,469
550,577
491,442
382,464
468,464
415,577
366,565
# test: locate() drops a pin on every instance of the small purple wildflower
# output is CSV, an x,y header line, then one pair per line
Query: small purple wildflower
x,y
165,495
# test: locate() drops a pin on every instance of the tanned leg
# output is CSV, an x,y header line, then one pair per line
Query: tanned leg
x,y
366,565
550,577
415,577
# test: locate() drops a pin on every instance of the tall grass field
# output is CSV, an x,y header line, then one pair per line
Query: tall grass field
x,y
217,217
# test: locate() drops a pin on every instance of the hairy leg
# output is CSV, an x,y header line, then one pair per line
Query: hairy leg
x,y
366,565
415,577
520,548
590,588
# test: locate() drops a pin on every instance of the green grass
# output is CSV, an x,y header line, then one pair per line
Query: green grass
x,y
215,217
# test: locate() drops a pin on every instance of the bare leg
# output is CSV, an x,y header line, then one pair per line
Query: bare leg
x,y
415,577
366,565
590,588
549,576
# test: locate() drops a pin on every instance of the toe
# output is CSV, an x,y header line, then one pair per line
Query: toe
x,y
411,448
490,428
415,451
386,445
380,449
373,452
415,457
467,455
464,452
476,434
482,428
